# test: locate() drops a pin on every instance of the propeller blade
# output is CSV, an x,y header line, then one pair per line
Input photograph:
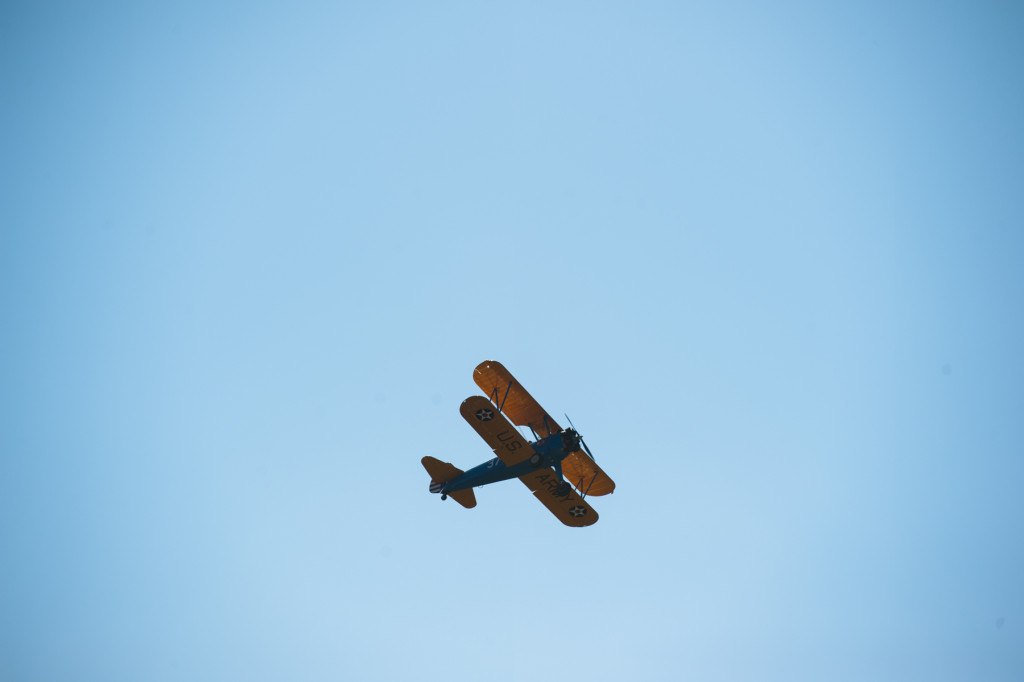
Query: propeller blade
x,y
582,442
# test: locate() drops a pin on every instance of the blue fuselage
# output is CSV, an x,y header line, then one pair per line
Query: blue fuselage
x,y
551,451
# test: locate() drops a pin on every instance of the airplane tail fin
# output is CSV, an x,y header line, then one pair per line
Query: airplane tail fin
x,y
442,472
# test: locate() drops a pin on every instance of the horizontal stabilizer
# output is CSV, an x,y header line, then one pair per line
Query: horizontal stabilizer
x,y
442,472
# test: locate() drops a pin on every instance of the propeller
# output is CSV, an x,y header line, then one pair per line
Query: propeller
x,y
582,442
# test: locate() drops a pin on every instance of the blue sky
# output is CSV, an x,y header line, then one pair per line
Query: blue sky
x,y
767,258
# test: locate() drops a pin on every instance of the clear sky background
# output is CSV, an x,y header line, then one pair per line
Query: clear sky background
x,y
768,257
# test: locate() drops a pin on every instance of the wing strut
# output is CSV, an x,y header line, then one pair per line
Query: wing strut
x,y
579,486
494,396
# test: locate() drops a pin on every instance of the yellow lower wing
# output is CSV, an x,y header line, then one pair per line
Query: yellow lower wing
x,y
571,509
508,444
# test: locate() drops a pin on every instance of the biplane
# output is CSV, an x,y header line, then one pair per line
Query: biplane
x,y
553,466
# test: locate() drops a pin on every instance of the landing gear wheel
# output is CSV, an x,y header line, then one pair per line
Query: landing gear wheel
x,y
563,489
536,460
444,496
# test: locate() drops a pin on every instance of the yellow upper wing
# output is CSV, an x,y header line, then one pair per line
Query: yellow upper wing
x,y
514,400
508,444
499,384
583,472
